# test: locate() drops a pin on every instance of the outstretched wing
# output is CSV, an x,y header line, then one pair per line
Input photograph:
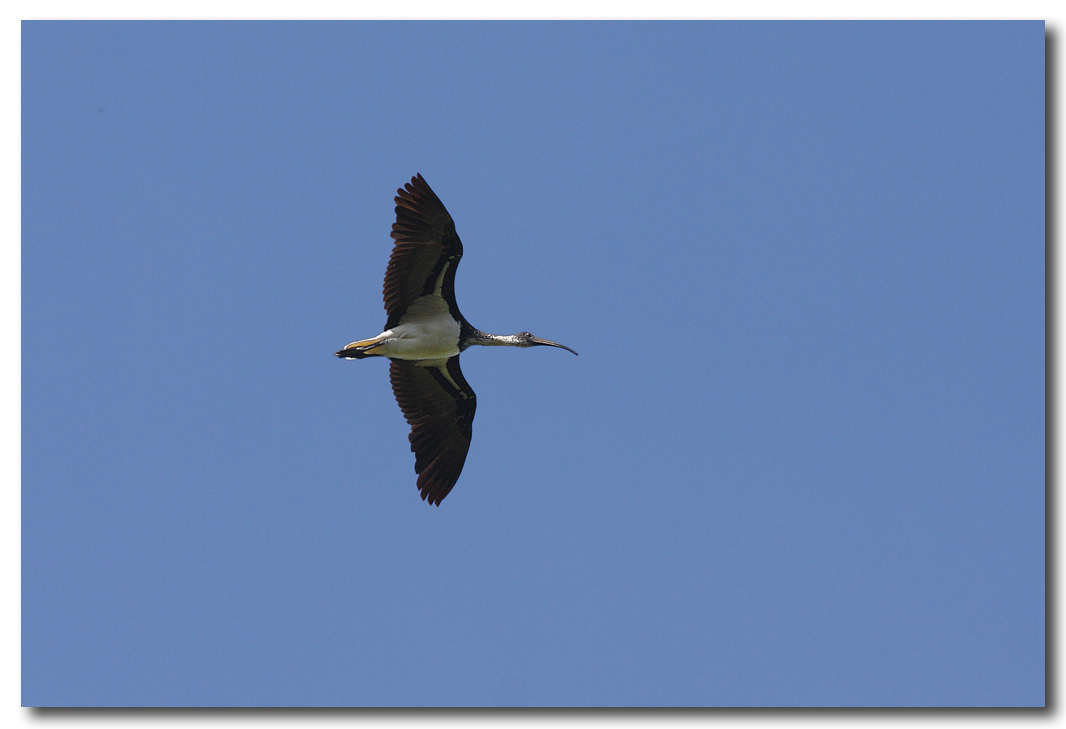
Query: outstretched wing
x,y
426,252
439,404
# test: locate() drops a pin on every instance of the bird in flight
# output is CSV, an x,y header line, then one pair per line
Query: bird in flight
x,y
424,336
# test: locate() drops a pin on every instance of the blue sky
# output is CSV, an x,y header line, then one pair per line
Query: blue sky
x,y
800,460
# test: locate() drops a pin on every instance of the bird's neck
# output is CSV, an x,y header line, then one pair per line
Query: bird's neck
x,y
492,340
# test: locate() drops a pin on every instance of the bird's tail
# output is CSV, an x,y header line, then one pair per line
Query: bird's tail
x,y
354,354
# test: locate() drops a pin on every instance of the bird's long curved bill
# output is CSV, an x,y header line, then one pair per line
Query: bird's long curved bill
x,y
549,343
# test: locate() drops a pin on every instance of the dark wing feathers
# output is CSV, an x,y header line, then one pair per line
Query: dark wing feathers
x,y
425,242
435,399
439,404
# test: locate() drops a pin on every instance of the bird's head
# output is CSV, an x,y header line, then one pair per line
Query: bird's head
x,y
525,339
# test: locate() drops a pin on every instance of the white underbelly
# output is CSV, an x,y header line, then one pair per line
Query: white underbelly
x,y
426,331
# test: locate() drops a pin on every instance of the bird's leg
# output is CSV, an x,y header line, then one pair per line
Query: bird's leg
x,y
362,348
